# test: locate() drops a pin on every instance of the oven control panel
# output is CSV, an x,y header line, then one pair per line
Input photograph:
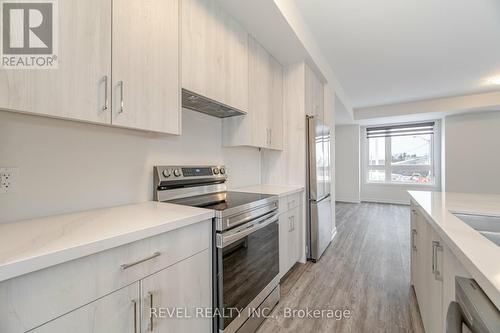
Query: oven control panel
x,y
168,173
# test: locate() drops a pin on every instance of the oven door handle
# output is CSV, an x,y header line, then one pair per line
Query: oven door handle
x,y
262,222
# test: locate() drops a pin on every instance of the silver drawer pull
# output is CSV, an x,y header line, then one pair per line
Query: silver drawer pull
x,y
154,255
151,323
105,80
413,243
134,303
120,83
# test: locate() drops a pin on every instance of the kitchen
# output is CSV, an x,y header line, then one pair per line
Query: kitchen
x,y
117,202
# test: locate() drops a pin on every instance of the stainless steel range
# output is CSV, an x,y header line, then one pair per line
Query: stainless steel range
x,y
245,242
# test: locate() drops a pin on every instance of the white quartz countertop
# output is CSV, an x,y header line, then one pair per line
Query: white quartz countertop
x,y
278,190
480,256
31,245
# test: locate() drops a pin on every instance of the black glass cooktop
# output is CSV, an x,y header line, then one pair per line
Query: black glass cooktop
x,y
222,201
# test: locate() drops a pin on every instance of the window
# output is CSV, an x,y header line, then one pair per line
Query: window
x,y
403,154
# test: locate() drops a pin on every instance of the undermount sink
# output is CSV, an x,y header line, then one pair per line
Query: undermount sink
x,y
488,226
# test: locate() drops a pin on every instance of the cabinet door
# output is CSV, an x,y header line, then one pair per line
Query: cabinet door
x,y
116,312
451,269
170,297
76,89
428,285
314,94
293,239
276,106
421,265
413,246
259,98
434,320
146,92
283,239
214,53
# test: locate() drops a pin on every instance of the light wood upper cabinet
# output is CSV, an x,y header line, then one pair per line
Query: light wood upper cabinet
x,y
75,90
263,125
315,94
276,106
214,53
146,92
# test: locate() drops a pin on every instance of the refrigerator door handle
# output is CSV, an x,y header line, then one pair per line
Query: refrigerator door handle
x,y
320,199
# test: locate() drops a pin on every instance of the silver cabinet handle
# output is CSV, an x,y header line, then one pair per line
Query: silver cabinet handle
x,y
134,303
436,246
293,222
413,234
120,83
150,295
434,257
105,80
125,266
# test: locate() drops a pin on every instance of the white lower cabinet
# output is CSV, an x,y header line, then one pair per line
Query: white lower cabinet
x,y
163,302
116,312
427,271
433,271
290,233
98,293
170,297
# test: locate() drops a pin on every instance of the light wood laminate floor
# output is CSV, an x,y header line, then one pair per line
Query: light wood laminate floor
x,y
364,270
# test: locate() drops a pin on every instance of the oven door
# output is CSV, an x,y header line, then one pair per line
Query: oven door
x,y
247,269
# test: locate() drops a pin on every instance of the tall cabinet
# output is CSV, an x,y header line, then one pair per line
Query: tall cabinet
x,y
262,127
118,64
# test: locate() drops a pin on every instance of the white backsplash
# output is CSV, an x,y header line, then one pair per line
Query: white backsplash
x,y
68,166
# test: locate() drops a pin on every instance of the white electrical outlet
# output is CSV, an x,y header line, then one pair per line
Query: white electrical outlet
x,y
8,179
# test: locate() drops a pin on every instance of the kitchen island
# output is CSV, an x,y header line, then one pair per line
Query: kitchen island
x,y
444,247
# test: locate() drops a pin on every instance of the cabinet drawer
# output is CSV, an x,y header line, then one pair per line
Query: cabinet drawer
x,y
33,299
290,202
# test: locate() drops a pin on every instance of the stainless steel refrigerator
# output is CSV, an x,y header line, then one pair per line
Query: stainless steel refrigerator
x,y
319,211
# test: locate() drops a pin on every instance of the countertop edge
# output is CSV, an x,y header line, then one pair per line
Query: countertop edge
x,y
29,265
266,189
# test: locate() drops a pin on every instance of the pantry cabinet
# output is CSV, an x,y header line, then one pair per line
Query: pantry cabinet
x,y
290,231
262,127
118,64
145,74
214,53
77,88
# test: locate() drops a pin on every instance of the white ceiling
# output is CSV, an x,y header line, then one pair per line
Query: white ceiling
x,y
391,51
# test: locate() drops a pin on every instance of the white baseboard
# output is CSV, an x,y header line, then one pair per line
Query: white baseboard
x,y
334,233
347,200
387,201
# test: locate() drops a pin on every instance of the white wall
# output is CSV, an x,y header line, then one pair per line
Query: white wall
x,y
472,159
67,166
347,186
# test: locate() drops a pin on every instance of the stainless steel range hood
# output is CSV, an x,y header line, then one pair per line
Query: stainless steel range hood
x,y
195,102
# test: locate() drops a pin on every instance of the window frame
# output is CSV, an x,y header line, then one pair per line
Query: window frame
x,y
387,167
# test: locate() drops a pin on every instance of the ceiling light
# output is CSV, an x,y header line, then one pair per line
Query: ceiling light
x,y
494,80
